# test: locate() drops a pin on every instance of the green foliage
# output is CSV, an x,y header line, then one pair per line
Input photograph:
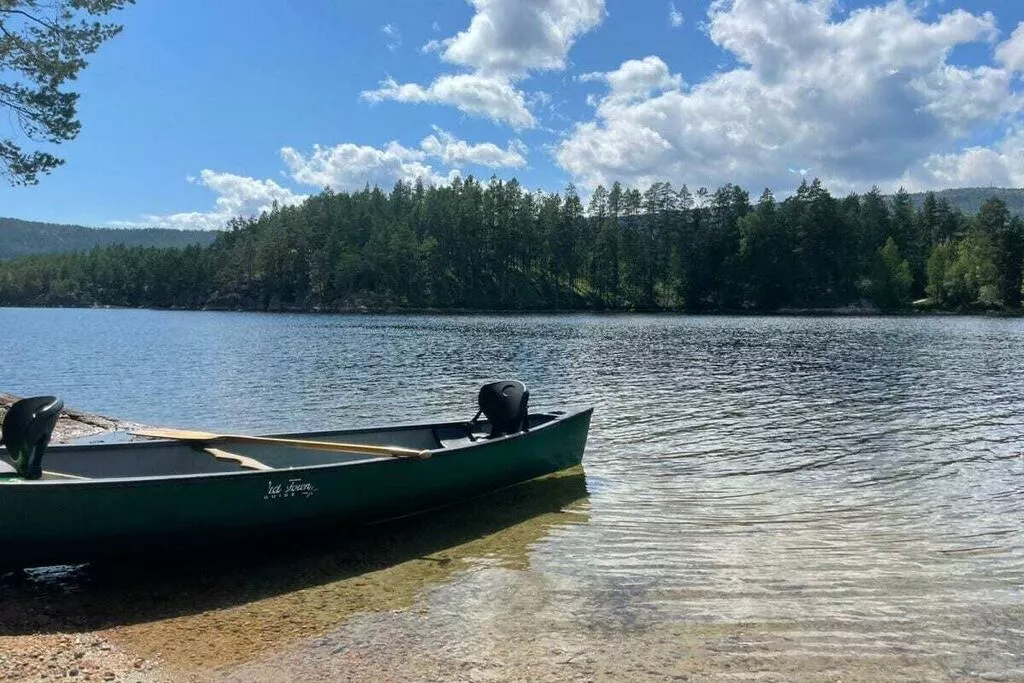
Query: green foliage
x,y
939,264
43,46
496,246
765,255
963,275
891,283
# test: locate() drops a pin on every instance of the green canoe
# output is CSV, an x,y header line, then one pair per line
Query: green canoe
x,y
207,492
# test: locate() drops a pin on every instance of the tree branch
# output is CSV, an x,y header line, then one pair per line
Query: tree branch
x,y
49,27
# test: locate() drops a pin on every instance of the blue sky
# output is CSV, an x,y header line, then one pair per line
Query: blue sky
x,y
202,110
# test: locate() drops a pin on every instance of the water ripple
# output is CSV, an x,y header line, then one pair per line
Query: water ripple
x,y
859,482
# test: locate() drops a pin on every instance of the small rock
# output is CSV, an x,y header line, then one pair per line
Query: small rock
x,y
73,672
109,676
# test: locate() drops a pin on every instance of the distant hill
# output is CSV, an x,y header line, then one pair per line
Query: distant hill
x,y
19,238
970,199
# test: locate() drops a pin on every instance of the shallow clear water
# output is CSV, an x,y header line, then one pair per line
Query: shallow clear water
x,y
858,481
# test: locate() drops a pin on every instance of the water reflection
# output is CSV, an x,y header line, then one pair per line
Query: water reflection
x,y
222,609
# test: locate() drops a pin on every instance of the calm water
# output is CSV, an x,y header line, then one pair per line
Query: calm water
x,y
856,483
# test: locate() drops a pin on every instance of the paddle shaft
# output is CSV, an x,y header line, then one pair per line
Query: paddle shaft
x,y
206,437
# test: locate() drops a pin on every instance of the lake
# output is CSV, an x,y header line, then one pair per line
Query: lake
x,y
761,496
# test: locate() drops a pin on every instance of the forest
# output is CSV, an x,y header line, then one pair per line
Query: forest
x,y
496,246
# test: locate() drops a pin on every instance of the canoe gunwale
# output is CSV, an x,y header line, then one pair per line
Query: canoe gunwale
x,y
445,452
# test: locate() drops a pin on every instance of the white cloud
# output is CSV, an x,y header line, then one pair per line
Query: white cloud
x,y
1001,165
860,98
675,17
435,26
775,38
1011,52
473,94
236,196
637,78
512,37
454,152
505,41
349,166
392,36
540,99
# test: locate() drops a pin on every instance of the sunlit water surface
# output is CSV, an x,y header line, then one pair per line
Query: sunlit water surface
x,y
857,483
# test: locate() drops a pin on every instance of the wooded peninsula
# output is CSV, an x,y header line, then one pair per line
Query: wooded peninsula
x,y
496,246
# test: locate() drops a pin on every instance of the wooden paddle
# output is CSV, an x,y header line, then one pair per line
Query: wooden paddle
x,y
204,437
243,461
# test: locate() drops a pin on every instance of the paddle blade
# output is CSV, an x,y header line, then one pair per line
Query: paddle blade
x,y
175,434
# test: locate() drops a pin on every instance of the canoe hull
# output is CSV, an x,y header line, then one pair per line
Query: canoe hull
x,y
45,523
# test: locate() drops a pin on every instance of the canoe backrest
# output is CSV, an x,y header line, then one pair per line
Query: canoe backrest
x,y
26,432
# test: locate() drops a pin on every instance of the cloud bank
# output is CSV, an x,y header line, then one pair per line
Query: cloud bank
x,y
862,99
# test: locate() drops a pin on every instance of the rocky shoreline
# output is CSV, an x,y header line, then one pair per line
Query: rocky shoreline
x,y
73,424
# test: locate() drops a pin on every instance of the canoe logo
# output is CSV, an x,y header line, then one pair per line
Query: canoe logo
x,y
293,488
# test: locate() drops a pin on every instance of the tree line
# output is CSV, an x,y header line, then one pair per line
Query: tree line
x,y
497,246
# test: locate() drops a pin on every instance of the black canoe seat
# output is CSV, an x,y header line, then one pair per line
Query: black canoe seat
x,y
26,432
505,406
